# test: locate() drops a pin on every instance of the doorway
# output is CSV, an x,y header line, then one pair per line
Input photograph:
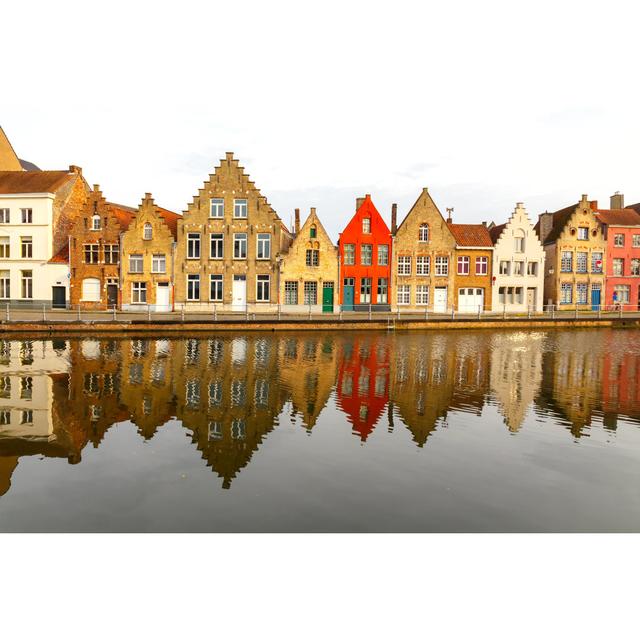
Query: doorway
x,y
531,299
163,297
239,293
348,294
595,297
112,295
440,300
327,297
58,297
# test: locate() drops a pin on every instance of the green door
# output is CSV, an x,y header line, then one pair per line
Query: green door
x,y
327,297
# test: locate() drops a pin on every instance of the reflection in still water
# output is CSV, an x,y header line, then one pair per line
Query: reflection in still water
x,y
229,393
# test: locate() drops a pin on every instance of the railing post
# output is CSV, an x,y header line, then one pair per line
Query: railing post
x,y
79,316
599,311
504,311
426,313
279,311
369,311
215,311
44,314
340,313
479,311
8,314
620,310
246,312
182,312
553,311
575,312
453,312
148,313
529,311
114,312
309,311
398,313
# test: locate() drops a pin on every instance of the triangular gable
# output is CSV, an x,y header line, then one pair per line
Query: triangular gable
x,y
367,209
9,160
425,204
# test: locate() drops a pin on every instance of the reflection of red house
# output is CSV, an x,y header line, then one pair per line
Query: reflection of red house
x,y
365,259
363,383
620,388
622,233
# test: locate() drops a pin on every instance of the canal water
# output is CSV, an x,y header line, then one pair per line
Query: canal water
x,y
305,432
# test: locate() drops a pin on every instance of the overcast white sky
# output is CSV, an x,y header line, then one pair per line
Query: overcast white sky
x,y
486,103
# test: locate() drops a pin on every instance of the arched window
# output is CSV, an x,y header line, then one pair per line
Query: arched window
x,y
312,231
91,290
95,222
423,234
148,231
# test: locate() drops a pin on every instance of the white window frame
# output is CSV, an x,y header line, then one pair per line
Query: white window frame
x,y
403,294
383,255
290,287
218,296
423,232
243,239
240,208
26,247
5,215
216,206
442,266
263,240
366,226
147,231
138,291
368,254
423,265
193,246
350,254
5,285
91,296
310,287
193,284
465,263
27,215
158,259
482,266
5,243
404,265
261,280
583,233
218,238
136,258
422,294
96,223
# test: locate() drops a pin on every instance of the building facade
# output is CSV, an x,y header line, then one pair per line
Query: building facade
x,y
230,242
473,261
621,228
518,265
575,257
148,258
94,252
37,209
365,260
423,250
309,271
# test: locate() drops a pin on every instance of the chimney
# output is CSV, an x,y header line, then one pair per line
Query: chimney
x,y
313,211
449,216
75,169
546,224
484,223
593,204
359,202
296,226
394,218
617,200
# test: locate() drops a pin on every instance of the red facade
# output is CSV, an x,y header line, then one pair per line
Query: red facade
x,y
622,232
365,260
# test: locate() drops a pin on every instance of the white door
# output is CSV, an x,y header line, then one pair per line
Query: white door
x,y
440,300
470,300
239,293
163,299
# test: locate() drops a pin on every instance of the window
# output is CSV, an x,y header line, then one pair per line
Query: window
x,y
5,217
215,294
383,255
27,216
138,292
26,247
423,233
635,240
618,240
618,266
566,293
349,253
310,293
365,290
581,261
5,387
366,254
217,208
5,247
623,293
159,263
518,268
532,268
193,246
239,246
239,208
263,285
27,284
383,290
504,267
26,416
5,416
566,261
423,265
463,265
583,233
264,246
519,244
635,267
313,232
596,262
111,254
91,253
404,265
291,292
482,266
135,263
404,294
216,246
215,431
5,285
366,225
95,222
581,292
147,232
422,294
238,429
91,290
442,266
312,258
193,286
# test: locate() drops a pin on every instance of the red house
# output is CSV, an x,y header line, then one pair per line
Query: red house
x,y
365,260
622,232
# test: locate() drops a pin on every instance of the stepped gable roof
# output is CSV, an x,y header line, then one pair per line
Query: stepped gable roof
x,y
560,219
33,181
470,235
495,232
62,257
619,217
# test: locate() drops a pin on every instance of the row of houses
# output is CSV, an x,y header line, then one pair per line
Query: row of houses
x,y
63,243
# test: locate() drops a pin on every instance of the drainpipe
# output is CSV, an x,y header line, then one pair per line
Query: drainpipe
x,y
120,277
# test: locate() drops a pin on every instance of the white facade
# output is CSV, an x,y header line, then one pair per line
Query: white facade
x,y
26,272
518,266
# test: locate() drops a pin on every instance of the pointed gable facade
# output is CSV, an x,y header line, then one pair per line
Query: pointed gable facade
x,y
9,161
230,241
423,250
309,271
365,260
518,265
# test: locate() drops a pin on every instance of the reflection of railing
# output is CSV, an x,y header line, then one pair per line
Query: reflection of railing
x,y
210,312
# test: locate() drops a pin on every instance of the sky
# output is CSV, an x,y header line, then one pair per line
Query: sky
x,y
486,103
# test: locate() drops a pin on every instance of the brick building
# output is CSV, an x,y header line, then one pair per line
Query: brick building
x,y
365,260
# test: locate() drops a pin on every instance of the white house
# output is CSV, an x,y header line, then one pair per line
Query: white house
x,y
518,265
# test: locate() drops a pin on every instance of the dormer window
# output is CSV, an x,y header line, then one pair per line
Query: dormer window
x,y
366,225
312,231
95,222
423,233
148,231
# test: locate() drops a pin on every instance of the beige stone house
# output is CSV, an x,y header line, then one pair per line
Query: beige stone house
x,y
229,245
423,251
148,258
309,271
